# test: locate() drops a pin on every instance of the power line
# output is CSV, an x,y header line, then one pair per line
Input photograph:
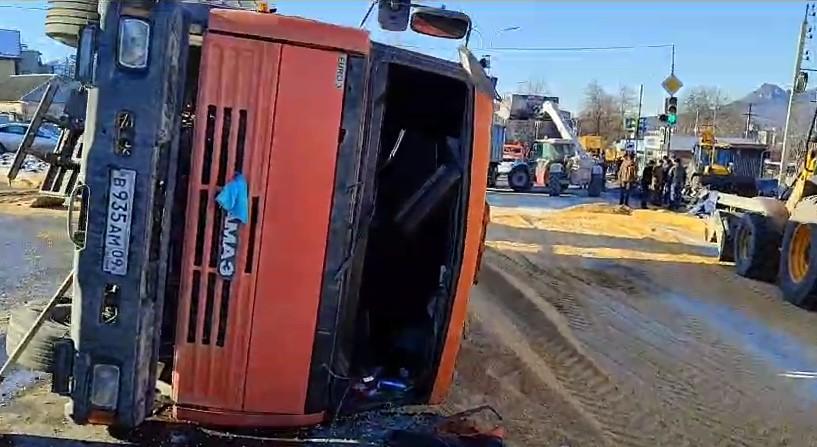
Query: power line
x,y
608,48
543,49
30,8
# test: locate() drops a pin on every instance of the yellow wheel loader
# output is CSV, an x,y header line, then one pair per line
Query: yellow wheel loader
x,y
773,239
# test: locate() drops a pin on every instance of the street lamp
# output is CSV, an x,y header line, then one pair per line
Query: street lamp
x,y
503,30
493,36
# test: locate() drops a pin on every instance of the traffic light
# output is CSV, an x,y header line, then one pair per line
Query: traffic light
x,y
629,124
671,109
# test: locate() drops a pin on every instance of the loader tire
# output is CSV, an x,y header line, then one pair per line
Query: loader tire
x,y
797,277
519,179
756,248
726,246
39,354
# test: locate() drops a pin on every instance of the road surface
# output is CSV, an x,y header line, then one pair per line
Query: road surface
x,y
598,326
590,326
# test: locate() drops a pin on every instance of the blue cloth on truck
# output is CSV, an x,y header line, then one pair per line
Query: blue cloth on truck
x,y
234,198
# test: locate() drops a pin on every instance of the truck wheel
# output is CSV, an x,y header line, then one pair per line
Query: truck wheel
x,y
756,248
39,355
519,179
492,175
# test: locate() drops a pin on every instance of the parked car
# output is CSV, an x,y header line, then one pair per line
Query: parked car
x,y
11,134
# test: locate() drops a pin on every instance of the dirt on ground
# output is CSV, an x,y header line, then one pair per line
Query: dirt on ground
x,y
600,325
591,326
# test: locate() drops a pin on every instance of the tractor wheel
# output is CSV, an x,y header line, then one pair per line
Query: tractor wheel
x,y
554,185
798,262
39,354
519,179
756,249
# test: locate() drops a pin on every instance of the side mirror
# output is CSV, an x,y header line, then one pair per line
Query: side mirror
x,y
84,70
393,15
443,23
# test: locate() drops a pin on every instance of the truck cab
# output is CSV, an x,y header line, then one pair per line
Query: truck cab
x,y
271,215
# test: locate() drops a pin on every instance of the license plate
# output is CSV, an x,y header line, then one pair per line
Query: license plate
x,y
117,230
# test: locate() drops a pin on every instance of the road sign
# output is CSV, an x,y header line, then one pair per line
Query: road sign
x,y
672,84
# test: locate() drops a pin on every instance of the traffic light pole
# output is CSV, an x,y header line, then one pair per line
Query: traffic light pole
x,y
638,123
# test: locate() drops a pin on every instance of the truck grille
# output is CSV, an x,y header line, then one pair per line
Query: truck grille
x,y
231,138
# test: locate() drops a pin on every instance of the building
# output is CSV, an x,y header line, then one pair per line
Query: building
x,y
21,94
31,62
10,52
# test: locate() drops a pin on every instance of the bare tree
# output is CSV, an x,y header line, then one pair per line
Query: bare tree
x,y
600,114
535,86
626,102
710,106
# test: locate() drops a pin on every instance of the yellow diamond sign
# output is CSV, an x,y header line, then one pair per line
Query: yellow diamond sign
x,y
672,84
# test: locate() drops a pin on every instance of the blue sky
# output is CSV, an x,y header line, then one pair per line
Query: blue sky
x,y
733,45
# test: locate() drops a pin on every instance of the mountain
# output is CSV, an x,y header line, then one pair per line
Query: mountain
x,y
769,103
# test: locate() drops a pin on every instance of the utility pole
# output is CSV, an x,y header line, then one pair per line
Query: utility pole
x,y
638,123
748,122
697,116
798,61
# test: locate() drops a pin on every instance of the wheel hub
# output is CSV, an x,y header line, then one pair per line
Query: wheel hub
x,y
798,256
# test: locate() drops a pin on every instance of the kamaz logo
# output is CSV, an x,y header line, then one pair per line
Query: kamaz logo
x,y
229,247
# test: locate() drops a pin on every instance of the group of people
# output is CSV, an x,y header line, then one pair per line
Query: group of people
x,y
661,183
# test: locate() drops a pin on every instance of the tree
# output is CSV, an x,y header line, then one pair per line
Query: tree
x,y
626,102
600,115
710,106
534,86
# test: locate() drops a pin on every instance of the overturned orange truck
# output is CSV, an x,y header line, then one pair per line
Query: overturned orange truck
x,y
277,213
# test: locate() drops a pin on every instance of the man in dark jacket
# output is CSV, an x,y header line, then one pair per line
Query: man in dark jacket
x,y
678,178
665,186
646,180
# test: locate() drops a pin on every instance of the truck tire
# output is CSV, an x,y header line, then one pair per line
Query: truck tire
x,y
756,247
492,175
39,355
797,277
519,178
65,19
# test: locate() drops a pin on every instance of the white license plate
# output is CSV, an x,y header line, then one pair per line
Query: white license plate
x,y
117,230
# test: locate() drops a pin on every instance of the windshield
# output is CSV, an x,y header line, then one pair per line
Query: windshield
x,y
552,151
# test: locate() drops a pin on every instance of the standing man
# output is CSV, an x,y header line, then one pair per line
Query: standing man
x,y
665,186
646,180
657,183
678,178
627,175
